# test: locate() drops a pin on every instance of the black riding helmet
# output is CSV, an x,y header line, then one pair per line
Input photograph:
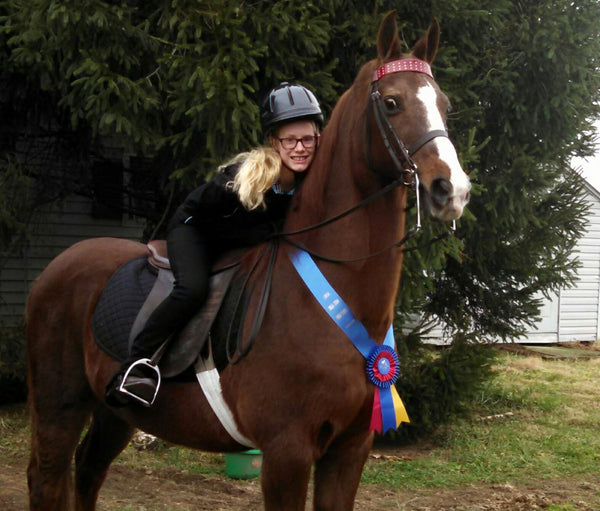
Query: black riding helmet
x,y
287,102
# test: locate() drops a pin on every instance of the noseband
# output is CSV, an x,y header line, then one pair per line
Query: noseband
x,y
406,167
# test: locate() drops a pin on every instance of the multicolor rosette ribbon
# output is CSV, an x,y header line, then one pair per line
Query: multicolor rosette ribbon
x,y
382,364
383,368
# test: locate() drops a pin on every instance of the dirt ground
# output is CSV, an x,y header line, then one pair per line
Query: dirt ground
x,y
167,489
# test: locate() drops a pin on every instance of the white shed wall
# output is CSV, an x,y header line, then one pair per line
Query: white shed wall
x,y
579,305
573,314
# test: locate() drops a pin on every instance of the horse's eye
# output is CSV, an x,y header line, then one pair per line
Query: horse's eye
x,y
392,104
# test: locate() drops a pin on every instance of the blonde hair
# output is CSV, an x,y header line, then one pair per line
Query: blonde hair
x,y
258,172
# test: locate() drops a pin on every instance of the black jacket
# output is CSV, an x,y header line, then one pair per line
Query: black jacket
x,y
217,212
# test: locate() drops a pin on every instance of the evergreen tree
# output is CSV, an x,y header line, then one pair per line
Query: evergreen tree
x,y
524,81
175,81
532,90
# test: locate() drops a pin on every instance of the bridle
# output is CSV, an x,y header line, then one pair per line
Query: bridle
x,y
405,166
401,155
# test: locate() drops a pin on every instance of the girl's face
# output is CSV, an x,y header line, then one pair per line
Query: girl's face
x,y
296,144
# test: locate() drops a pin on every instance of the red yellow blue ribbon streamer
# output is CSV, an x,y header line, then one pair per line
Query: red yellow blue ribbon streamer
x,y
382,364
382,421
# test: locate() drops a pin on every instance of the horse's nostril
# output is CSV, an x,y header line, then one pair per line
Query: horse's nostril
x,y
440,190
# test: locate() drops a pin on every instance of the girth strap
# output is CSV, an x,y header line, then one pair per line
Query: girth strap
x,y
210,382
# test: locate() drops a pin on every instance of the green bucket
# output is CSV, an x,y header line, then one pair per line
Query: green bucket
x,y
243,465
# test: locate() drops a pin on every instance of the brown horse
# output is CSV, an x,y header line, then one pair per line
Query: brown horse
x,y
301,394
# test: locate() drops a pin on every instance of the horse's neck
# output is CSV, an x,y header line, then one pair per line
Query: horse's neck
x,y
368,286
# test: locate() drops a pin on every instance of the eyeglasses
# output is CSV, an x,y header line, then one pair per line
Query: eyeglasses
x,y
307,141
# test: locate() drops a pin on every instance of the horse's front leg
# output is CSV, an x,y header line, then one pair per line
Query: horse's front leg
x,y
285,473
338,471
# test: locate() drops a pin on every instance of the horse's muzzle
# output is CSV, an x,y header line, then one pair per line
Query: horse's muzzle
x,y
446,202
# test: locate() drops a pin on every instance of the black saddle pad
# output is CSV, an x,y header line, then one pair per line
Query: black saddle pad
x,y
126,293
119,305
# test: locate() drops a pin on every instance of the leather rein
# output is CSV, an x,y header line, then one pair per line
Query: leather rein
x,y
405,166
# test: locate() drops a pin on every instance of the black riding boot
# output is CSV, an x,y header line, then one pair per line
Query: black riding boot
x,y
134,382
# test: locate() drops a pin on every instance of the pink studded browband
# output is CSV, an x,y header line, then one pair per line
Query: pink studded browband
x,y
398,66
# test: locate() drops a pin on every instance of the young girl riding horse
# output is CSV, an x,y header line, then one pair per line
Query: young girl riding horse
x,y
241,206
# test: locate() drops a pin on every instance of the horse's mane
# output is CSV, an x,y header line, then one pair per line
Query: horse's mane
x,y
346,120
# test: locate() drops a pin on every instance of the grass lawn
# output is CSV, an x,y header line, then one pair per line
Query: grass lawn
x,y
536,419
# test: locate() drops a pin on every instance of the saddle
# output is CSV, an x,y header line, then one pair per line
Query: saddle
x,y
137,288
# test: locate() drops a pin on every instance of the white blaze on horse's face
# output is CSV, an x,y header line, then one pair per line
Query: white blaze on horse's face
x,y
449,195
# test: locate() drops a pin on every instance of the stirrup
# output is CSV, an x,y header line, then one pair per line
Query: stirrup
x,y
144,365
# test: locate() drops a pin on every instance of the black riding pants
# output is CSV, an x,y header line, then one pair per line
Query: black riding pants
x,y
191,263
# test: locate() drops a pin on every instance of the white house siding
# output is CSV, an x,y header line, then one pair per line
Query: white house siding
x,y
55,229
572,314
579,305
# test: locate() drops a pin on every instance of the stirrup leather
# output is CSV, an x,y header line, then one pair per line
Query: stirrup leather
x,y
145,364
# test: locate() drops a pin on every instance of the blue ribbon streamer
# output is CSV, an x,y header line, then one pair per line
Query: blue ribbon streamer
x,y
341,314
388,414
331,302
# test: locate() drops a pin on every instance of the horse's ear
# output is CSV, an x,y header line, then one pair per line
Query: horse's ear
x,y
388,42
427,47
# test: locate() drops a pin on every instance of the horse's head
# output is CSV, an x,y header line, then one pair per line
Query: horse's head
x,y
407,122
